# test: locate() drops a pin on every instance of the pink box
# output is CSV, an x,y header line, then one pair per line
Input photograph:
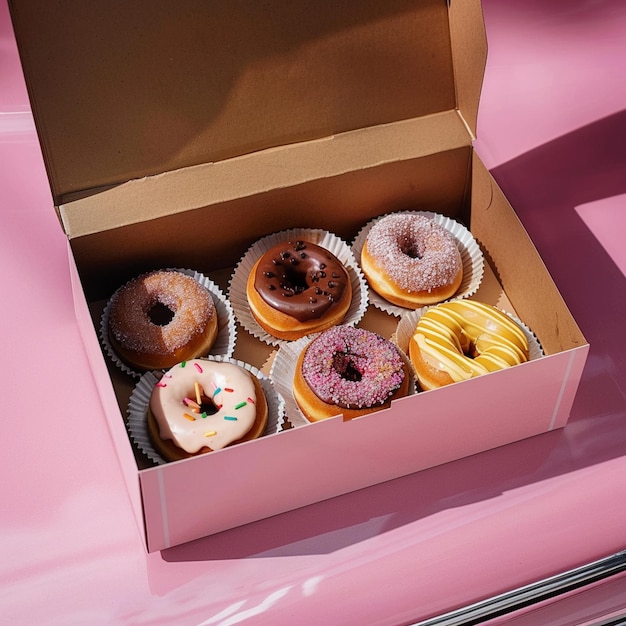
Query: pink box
x,y
201,131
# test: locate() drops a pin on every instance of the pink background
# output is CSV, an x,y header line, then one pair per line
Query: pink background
x,y
552,129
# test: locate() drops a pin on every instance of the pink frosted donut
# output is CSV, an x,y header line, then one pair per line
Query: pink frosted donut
x,y
350,371
411,261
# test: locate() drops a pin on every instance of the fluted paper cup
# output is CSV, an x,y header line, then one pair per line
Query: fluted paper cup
x,y
139,402
324,239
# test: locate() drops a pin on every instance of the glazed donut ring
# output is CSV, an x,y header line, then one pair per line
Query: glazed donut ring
x,y
351,371
145,344
232,408
458,340
296,288
411,261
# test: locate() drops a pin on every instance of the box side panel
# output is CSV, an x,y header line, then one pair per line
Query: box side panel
x,y
518,266
182,190
107,394
216,236
188,500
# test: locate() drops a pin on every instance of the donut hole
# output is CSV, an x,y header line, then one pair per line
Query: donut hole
x,y
160,314
344,365
410,248
294,280
207,405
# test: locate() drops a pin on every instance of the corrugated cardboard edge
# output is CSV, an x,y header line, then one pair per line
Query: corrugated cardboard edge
x,y
204,185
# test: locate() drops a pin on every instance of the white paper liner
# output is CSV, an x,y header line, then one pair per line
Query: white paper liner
x,y
408,323
137,413
224,344
284,368
324,239
471,257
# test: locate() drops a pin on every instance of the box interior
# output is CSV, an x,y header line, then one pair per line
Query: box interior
x,y
454,183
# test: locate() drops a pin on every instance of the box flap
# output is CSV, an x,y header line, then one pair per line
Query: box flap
x,y
125,90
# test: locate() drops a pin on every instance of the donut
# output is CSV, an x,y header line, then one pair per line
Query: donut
x,y
200,405
161,318
411,261
297,288
458,340
351,371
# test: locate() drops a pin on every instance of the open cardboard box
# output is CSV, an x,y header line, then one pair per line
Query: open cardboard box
x,y
176,134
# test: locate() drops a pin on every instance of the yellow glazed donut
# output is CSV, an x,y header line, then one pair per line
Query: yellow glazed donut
x,y
458,340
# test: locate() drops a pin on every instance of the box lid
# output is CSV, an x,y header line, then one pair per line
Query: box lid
x,y
128,90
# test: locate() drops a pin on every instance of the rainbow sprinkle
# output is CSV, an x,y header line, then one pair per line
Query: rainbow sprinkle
x,y
241,404
230,418
160,384
191,418
197,366
211,433
191,403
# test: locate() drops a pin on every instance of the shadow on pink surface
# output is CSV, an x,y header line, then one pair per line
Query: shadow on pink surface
x,y
545,185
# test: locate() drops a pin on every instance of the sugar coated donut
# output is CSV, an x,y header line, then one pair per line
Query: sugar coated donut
x,y
297,288
411,261
458,340
351,371
161,318
201,405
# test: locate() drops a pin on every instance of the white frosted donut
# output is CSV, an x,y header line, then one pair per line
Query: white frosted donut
x,y
201,404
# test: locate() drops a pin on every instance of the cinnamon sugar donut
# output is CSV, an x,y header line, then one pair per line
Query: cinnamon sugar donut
x,y
351,371
411,261
143,341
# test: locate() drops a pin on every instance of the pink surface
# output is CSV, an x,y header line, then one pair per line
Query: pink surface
x,y
553,130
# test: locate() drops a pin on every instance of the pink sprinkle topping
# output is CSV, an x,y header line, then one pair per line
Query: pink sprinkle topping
x,y
160,384
414,251
191,403
352,367
197,366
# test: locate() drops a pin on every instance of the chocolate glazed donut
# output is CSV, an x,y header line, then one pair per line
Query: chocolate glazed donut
x,y
298,287
300,279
